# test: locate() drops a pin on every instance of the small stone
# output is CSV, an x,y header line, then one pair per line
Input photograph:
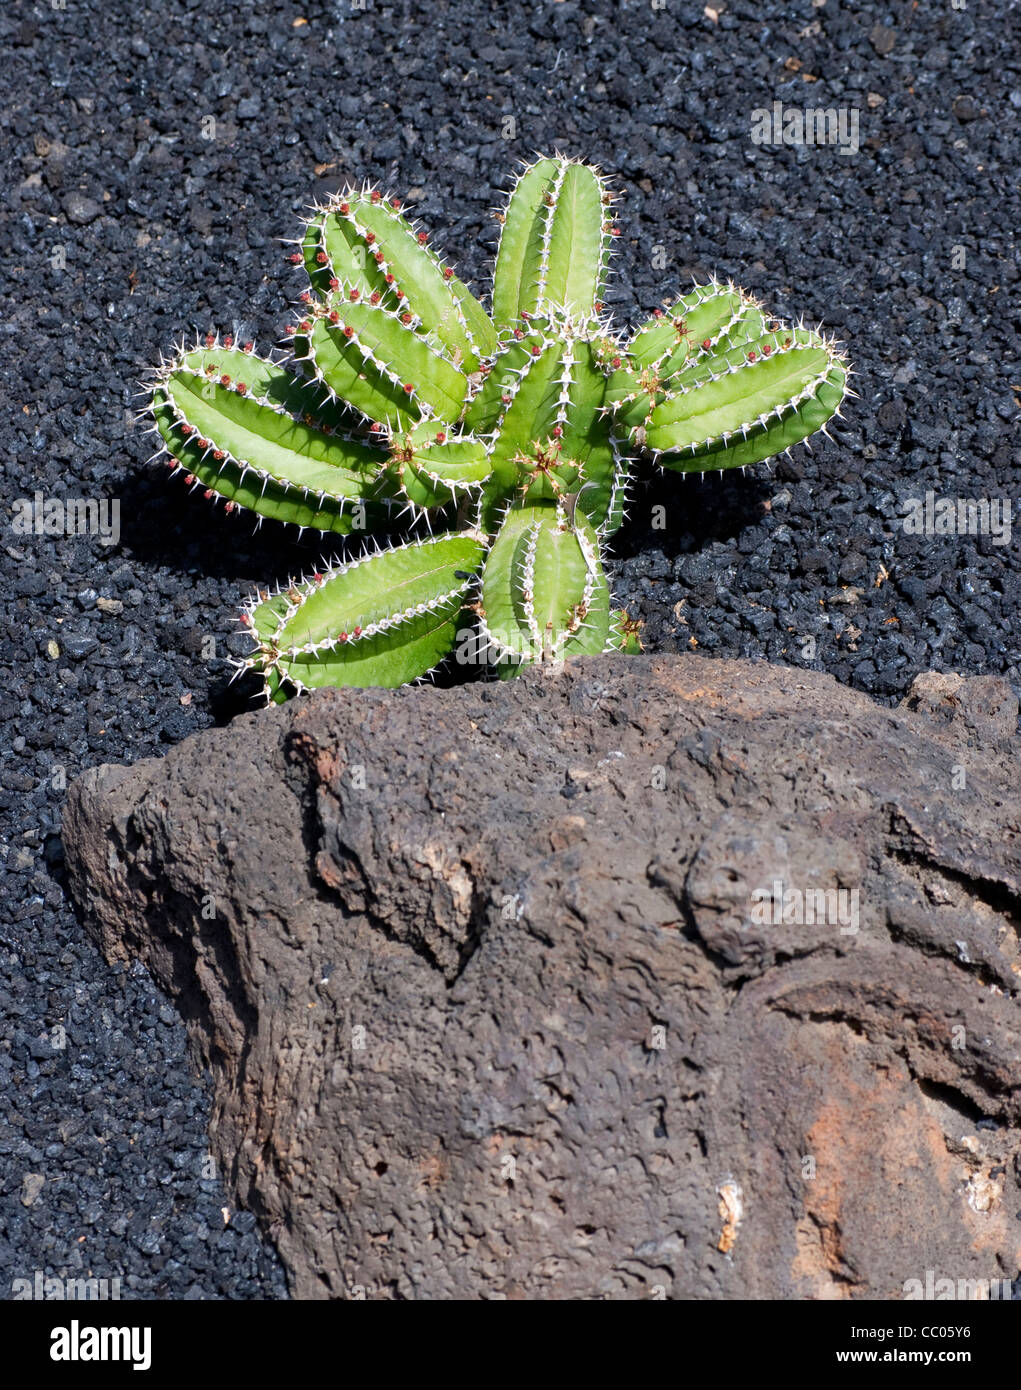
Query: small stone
x,y
966,109
848,595
31,1186
78,647
892,415
815,559
80,209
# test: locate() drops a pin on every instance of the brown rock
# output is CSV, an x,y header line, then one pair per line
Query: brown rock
x,y
882,38
981,707
659,975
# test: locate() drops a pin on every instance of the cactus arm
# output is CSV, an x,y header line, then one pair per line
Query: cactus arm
x,y
552,435
535,405
544,593
750,324
527,408
728,408
579,450
362,239
442,302
241,488
373,358
486,409
385,619
335,253
805,418
554,242
576,242
348,373
225,416
596,635
594,466
518,258
710,318
630,395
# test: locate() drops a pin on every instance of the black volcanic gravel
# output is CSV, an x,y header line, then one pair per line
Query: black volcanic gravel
x,y
154,157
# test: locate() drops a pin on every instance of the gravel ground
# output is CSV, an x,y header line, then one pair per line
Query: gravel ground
x,y
153,159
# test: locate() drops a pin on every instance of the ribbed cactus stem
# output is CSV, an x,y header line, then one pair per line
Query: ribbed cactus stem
x,y
384,619
362,240
544,594
379,361
555,242
432,467
552,436
747,402
244,430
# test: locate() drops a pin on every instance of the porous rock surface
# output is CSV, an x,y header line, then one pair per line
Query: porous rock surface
x,y
479,978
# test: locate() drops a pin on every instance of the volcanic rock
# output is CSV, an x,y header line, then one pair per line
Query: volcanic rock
x,y
660,977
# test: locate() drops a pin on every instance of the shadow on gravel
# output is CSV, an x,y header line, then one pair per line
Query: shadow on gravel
x,y
167,524
696,511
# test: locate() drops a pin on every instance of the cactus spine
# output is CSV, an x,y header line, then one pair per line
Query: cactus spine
x,y
509,437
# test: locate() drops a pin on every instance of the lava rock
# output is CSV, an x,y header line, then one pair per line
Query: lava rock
x,y
712,1025
80,209
982,708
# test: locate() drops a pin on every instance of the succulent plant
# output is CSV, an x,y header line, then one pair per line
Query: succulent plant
x,y
506,441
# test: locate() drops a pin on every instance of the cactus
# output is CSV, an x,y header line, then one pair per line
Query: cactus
x,y
508,440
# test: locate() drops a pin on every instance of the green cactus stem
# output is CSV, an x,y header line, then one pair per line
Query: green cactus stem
x,y
511,439
771,391
555,242
544,405
624,634
544,593
362,241
243,429
431,468
385,619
